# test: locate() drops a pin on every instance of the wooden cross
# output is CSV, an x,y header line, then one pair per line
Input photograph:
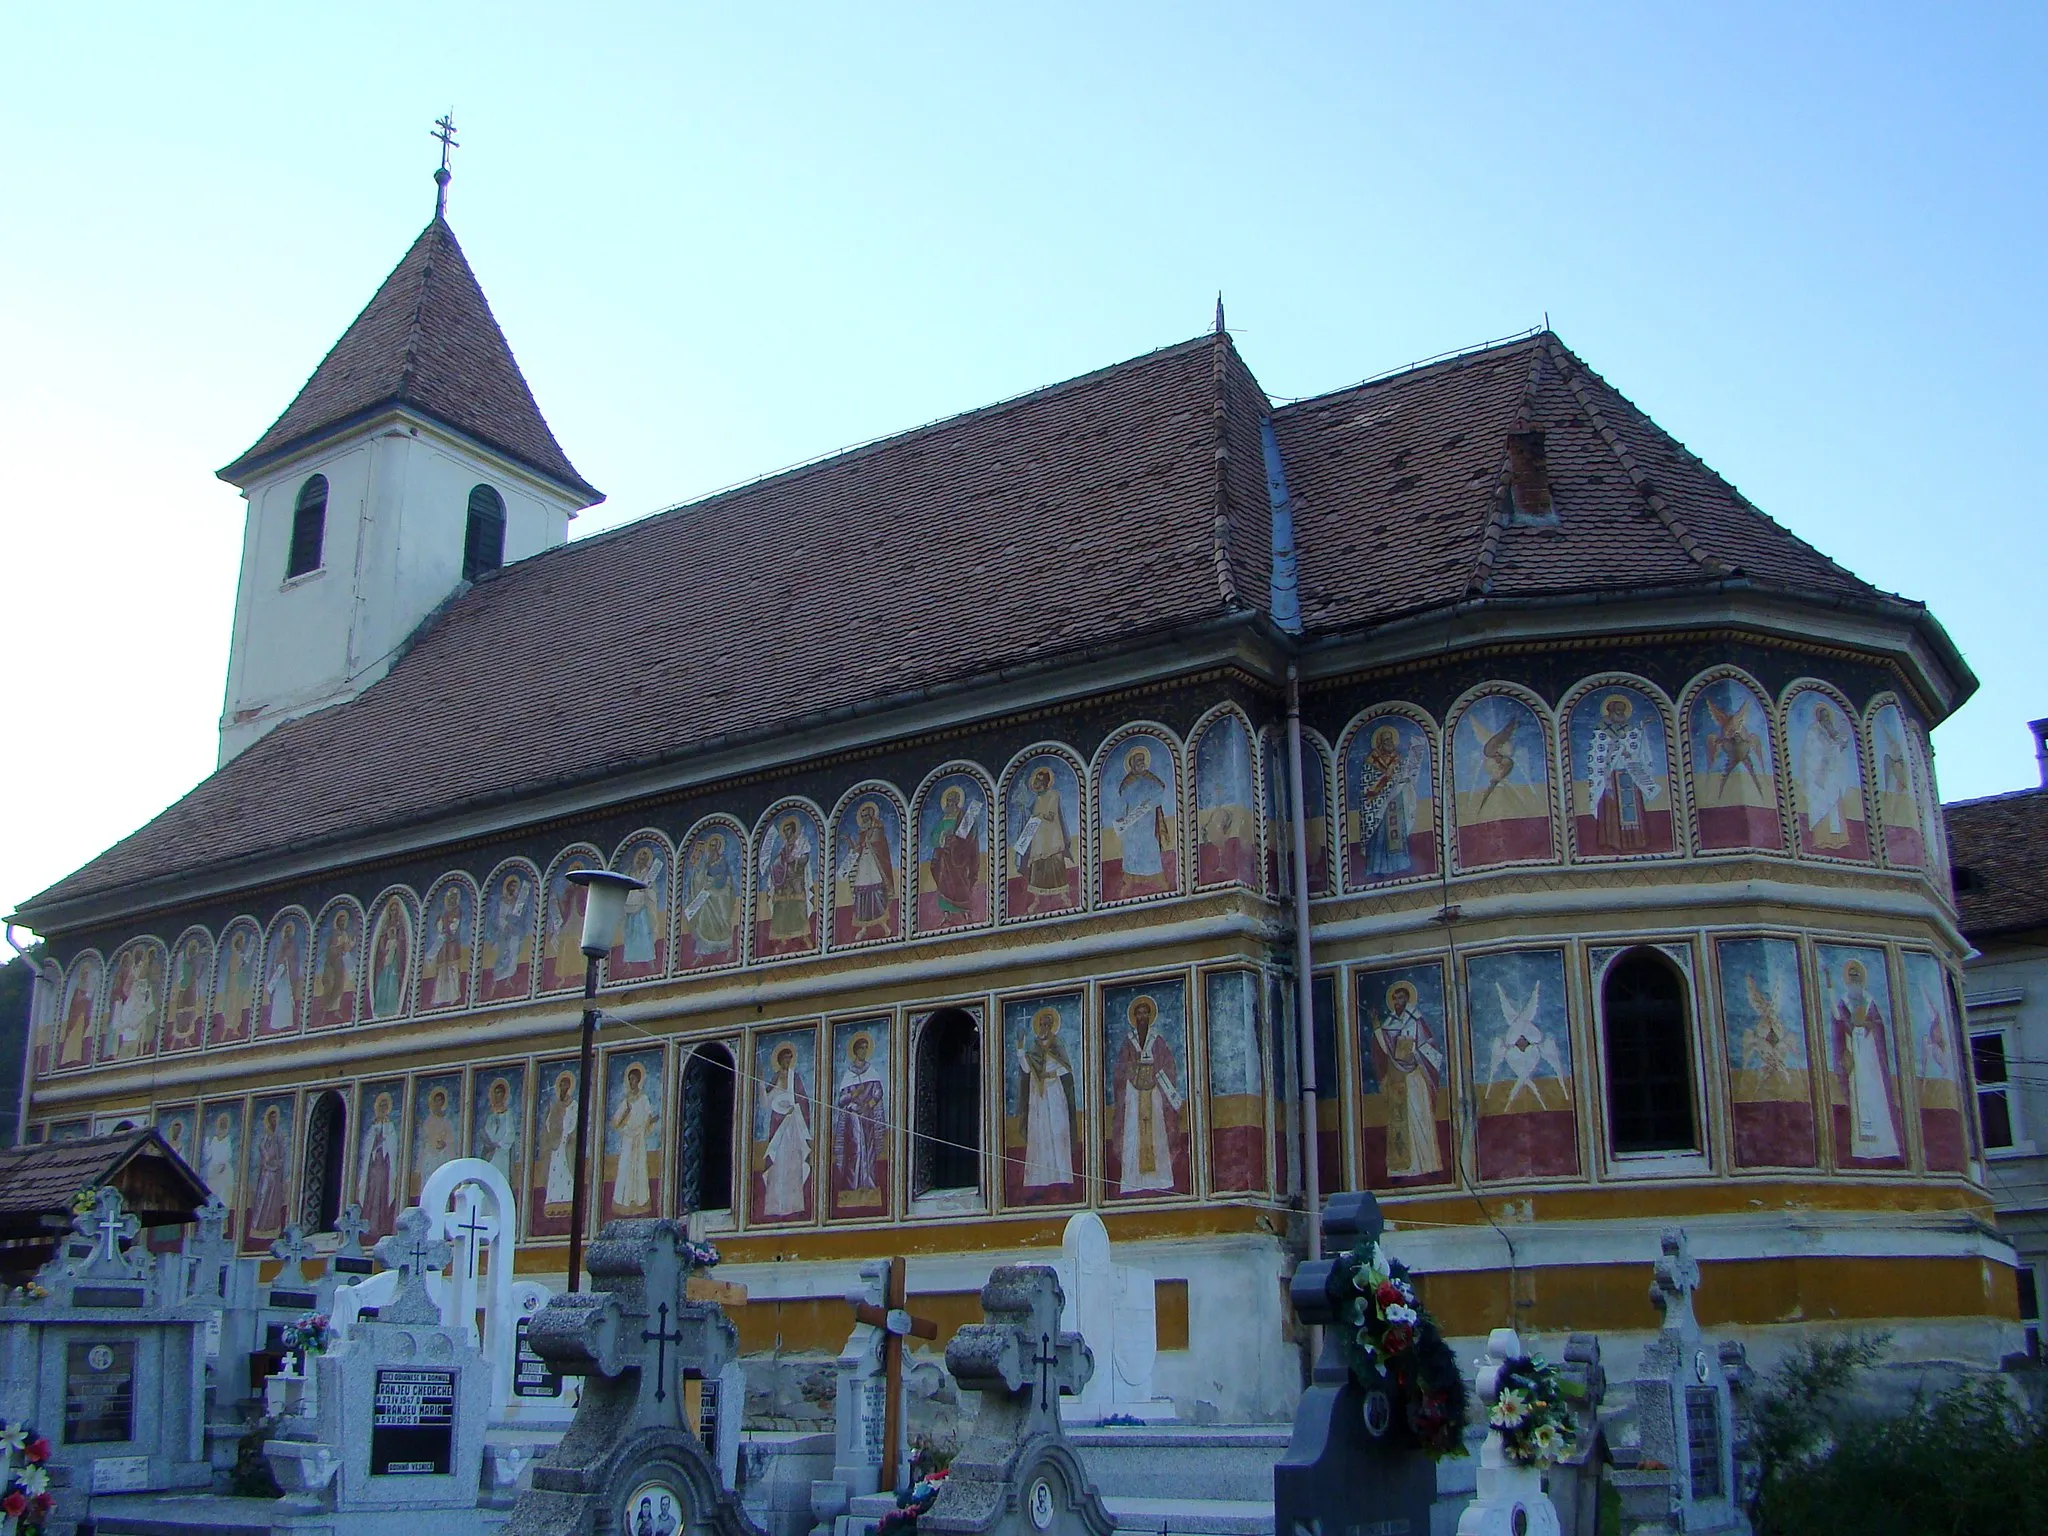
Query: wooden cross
x,y
896,1323
661,1338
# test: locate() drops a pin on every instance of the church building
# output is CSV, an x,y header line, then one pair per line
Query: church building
x,y
983,781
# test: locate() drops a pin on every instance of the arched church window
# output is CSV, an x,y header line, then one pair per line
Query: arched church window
x,y
326,1158
1649,1055
309,527
483,538
946,1145
704,1149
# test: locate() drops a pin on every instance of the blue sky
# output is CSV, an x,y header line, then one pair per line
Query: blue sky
x,y
1807,239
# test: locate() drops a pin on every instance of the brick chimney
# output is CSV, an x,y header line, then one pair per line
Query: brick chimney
x,y
1529,480
2040,730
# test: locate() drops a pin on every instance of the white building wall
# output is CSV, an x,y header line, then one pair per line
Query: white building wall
x,y
2005,990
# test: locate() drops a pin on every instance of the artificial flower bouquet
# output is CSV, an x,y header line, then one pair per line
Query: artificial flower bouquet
x,y
308,1335
26,1503
1398,1355
1530,1413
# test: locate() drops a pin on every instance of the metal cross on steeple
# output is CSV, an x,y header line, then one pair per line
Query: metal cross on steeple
x,y
444,130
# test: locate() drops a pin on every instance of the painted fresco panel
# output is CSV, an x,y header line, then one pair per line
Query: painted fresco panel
x,y
1622,802
1827,777
1770,1075
642,949
1404,1054
629,1175
337,967
561,958
497,1119
78,1029
1863,1072
1139,826
287,958
862,1104
785,1124
1522,1069
380,1154
1145,1048
1315,790
1898,798
179,1126
1044,1115
135,1002
231,1017
1226,811
1279,850
1043,827
953,853
220,1156
867,863
1500,772
270,1171
553,1186
391,942
436,1126
713,897
1734,768
790,874
1389,802
1237,1080
504,962
1937,1063
191,982
447,945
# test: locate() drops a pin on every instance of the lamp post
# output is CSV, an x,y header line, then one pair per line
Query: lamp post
x,y
604,914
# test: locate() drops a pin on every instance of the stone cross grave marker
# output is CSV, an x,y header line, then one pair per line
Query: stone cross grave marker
x,y
631,1455
1018,1475
113,1230
1511,1500
413,1252
1575,1480
1338,1472
290,1291
351,1258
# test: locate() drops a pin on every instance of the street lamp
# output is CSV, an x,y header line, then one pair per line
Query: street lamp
x,y
604,914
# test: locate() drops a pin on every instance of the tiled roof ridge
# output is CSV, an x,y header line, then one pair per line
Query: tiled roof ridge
x,y
1219,536
1575,376
1461,357
2002,795
1480,582
406,369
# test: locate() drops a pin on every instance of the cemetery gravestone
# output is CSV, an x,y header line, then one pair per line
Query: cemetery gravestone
x,y
1018,1475
349,1261
471,1205
539,1391
1115,1310
1341,1474
1574,1481
290,1290
1511,1500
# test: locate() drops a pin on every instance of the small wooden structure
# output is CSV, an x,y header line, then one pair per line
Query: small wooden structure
x,y
37,1184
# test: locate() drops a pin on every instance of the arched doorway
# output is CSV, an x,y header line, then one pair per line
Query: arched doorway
x,y
326,1162
1650,1101
704,1149
946,1146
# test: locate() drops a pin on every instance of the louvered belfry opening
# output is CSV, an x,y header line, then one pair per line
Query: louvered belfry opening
x,y
1649,1055
704,1172
483,537
946,1149
309,528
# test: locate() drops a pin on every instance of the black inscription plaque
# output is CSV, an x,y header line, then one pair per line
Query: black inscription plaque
x,y
306,1299
352,1266
531,1376
106,1296
99,1393
412,1424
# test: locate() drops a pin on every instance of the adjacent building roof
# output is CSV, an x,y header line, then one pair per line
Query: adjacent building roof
x,y
426,340
37,1182
1998,848
1127,503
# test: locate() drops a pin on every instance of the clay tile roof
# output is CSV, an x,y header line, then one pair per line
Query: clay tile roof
x,y
1094,513
1399,491
426,340
1999,850
38,1181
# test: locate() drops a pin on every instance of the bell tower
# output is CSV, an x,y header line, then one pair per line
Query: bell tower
x,y
413,461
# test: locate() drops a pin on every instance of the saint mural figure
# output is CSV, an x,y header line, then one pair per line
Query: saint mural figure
x,y
335,986
188,994
1043,846
1859,1029
388,964
132,1008
217,1158
507,925
956,855
497,1132
1148,1103
558,1143
857,1124
269,1210
1767,1045
1411,1063
435,1143
76,1040
643,907
870,867
786,1158
786,875
634,1121
1386,806
281,990
235,1005
710,903
1141,825
1827,776
565,928
1048,1104
1621,778
446,978
377,1168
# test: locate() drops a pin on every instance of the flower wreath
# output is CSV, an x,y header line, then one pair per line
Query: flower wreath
x,y
910,1506
309,1334
25,1501
703,1255
1397,1353
1529,1411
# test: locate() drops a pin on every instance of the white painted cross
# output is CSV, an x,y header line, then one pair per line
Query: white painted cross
x,y
470,1203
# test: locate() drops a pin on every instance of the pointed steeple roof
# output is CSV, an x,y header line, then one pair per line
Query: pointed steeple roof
x,y
426,341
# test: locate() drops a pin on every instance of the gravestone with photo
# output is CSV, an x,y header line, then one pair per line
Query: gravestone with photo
x,y
635,1456
1017,1474
1114,1309
1343,1468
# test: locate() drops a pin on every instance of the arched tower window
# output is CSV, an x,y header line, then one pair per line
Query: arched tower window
x,y
704,1149
1649,1055
326,1158
309,527
483,537
946,1149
